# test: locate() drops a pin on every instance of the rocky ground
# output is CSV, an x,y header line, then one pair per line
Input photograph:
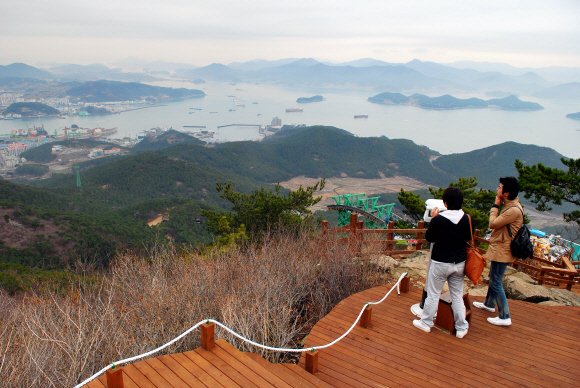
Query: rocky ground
x,y
517,285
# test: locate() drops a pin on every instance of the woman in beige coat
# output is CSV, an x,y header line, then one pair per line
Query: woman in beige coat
x,y
499,251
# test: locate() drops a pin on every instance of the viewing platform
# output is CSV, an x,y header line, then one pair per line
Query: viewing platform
x,y
540,349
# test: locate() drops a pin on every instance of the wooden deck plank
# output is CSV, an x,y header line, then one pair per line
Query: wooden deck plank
x,y
509,335
299,371
413,349
137,377
532,323
251,365
386,359
539,374
240,362
96,383
152,375
183,373
211,377
431,341
387,371
169,376
207,358
520,356
289,378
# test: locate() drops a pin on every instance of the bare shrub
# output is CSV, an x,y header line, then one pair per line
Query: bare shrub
x,y
272,294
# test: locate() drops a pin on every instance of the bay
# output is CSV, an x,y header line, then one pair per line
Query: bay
x,y
446,131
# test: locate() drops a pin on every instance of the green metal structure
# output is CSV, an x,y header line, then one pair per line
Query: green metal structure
x,y
376,215
78,177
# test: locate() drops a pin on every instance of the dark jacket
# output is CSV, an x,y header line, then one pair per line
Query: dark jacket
x,y
450,239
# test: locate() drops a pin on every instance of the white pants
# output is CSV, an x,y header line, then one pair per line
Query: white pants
x,y
438,274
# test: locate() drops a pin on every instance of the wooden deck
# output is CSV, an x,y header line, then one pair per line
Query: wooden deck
x,y
540,349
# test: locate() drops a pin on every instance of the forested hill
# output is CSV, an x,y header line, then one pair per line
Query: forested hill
x,y
490,163
128,181
167,139
101,91
332,152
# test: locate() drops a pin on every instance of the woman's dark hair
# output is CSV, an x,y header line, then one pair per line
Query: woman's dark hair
x,y
511,186
453,197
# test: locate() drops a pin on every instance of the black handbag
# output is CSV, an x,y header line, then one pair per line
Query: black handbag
x,y
521,245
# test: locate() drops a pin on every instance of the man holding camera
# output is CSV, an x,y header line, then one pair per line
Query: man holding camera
x,y
499,251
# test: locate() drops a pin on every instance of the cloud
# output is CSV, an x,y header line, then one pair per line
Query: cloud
x,y
338,29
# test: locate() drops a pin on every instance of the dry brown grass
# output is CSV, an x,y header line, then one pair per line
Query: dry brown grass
x,y
272,294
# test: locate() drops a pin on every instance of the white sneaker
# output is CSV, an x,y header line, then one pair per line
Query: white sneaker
x,y
499,322
482,306
420,325
417,310
461,333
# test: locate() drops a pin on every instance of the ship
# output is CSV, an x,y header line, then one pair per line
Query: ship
x,y
361,116
195,108
212,112
294,110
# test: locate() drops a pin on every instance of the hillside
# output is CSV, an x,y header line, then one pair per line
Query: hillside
x,y
43,153
44,238
102,91
133,179
449,102
21,70
316,152
568,91
167,139
490,163
27,109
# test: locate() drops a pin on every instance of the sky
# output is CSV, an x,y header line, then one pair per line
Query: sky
x,y
523,33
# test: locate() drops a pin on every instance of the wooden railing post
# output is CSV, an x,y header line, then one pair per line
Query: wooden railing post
x,y
312,362
390,235
324,228
365,319
352,237
207,335
115,378
360,236
405,284
419,245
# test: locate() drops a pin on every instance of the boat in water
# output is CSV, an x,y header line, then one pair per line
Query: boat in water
x,y
294,110
361,116
195,108
212,112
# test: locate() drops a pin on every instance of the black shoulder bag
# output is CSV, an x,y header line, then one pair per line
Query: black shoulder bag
x,y
521,245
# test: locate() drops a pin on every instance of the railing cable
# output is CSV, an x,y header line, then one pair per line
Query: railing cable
x,y
312,348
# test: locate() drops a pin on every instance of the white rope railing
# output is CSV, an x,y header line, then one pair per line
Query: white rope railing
x,y
312,348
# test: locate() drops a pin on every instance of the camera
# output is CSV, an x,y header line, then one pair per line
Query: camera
x,y
430,205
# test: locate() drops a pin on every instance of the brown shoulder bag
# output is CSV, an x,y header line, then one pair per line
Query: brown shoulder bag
x,y
475,261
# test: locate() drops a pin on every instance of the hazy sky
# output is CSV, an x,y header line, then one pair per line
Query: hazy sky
x,y
520,32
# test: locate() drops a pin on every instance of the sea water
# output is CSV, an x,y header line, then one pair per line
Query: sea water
x,y
446,131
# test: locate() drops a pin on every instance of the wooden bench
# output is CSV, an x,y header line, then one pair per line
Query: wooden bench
x,y
445,320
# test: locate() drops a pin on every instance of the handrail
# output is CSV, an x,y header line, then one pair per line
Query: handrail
x,y
312,348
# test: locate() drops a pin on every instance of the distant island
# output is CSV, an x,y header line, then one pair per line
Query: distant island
x,y
28,109
104,91
316,98
574,116
450,102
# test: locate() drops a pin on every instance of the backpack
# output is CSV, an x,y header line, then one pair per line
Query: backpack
x,y
521,245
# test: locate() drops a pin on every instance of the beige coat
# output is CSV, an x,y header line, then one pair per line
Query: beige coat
x,y
499,244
